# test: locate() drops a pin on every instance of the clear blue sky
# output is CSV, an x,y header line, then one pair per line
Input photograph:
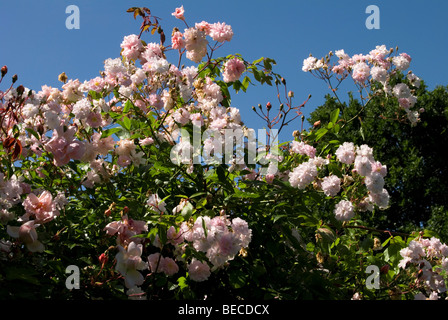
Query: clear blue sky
x,y
36,45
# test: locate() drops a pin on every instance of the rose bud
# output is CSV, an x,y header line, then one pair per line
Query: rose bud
x,y
20,89
103,259
4,70
385,269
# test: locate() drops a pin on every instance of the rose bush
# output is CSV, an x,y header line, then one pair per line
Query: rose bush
x,y
103,175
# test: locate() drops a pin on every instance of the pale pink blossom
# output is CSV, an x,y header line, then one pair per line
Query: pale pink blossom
x,y
344,210
132,47
126,229
381,199
181,116
303,175
146,141
242,232
198,271
221,32
203,26
179,13
401,90
155,262
331,185
309,64
124,160
346,153
129,261
361,72
402,61
94,120
378,167
378,73
170,266
301,147
27,234
233,69
64,147
363,165
195,44
156,204
177,41
374,182
173,236
270,178
152,50
42,207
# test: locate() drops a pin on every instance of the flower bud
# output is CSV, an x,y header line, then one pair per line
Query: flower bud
x,y
377,244
385,269
316,124
103,259
320,257
63,77
14,78
291,94
4,70
243,252
268,106
20,89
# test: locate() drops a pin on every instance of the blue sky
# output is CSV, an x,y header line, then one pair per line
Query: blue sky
x,y
36,45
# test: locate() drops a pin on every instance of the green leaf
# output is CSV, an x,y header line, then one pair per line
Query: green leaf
x,y
95,95
108,132
187,211
245,83
183,283
309,221
334,116
32,132
127,123
22,273
127,106
237,279
277,217
320,133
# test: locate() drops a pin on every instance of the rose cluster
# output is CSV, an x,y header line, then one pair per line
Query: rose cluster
x,y
378,66
430,258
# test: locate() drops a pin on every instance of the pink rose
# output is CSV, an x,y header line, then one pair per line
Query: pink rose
x,y
179,13
177,40
233,69
42,207
198,271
